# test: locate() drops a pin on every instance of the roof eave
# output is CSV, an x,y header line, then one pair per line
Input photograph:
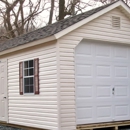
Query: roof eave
x,y
31,44
92,17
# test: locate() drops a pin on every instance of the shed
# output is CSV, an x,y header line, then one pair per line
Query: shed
x,y
73,72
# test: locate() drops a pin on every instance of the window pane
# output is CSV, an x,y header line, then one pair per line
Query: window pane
x,y
26,81
26,89
26,72
31,89
31,80
26,64
30,71
31,63
28,85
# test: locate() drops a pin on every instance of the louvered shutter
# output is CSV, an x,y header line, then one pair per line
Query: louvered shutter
x,y
36,75
21,78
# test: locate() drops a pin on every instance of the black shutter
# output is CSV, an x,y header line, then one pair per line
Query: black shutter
x,y
36,75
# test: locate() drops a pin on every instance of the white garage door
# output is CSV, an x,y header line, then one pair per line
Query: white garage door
x,y
102,82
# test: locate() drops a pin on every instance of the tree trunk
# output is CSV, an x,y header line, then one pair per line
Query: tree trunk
x,y
61,9
51,12
73,7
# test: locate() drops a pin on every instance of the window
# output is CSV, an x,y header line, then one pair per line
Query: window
x,y
29,76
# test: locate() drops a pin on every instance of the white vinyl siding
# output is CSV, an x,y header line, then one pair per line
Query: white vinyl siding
x,y
40,111
98,29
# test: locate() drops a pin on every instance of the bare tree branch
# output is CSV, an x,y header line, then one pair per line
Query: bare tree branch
x,y
14,18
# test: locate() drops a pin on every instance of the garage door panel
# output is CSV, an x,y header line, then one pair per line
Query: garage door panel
x,y
98,112
122,111
81,81
84,102
103,50
83,60
103,91
85,49
121,52
85,112
91,69
121,71
85,70
104,112
103,70
121,91
102,82
85,91
122,86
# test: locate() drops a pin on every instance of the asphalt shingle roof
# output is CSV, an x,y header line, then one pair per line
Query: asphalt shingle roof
x,y
48,30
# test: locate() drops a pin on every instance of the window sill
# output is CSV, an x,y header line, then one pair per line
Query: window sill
x,y
28,94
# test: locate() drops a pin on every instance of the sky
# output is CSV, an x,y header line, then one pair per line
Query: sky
x,y
45,14
42,19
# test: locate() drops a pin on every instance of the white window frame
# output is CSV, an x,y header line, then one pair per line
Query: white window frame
x,y
28,77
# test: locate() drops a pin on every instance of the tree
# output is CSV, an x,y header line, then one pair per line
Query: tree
x,y
19,16
51,12
61,9
73,7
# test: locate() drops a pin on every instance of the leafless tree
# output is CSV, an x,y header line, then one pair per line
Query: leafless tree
x,y
73,7
19,16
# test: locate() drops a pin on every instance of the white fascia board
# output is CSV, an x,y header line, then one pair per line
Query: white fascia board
x,y
92,17
34,43
127,9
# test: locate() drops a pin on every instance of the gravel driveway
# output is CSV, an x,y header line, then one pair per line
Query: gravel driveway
x,y
8,128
